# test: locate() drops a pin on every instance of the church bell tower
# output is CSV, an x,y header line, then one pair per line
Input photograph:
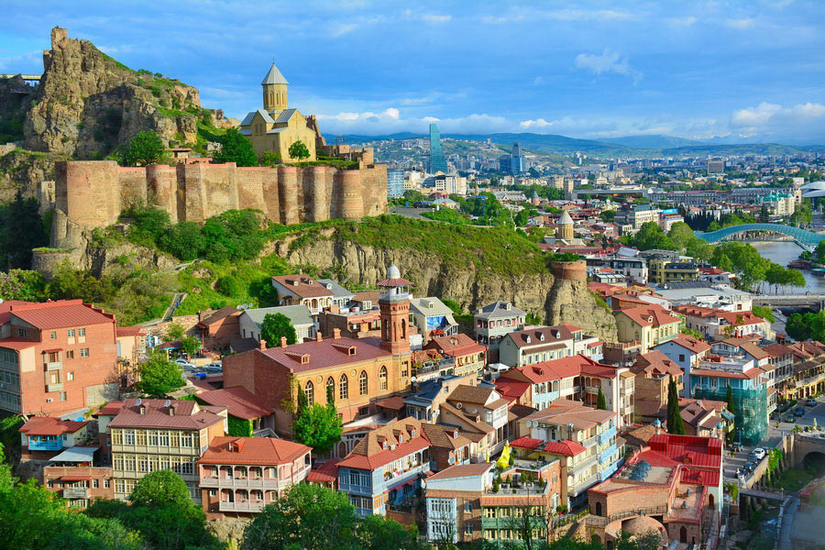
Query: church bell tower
x,y
275,90
394,303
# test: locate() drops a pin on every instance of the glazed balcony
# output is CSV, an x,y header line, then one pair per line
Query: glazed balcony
x,y
75,492
251,506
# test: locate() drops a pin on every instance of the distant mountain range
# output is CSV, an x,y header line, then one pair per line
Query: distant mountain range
x,y
628,146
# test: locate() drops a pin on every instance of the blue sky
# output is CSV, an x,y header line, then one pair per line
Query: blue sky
x,y
751,70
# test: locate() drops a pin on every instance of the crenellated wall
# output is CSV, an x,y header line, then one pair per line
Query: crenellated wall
x,y
94,193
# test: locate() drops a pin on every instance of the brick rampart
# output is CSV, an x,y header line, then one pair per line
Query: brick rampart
x,y
94,193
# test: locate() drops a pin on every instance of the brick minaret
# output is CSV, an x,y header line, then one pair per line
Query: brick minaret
x,y
395,312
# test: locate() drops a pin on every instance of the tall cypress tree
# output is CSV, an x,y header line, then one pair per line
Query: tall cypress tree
x,y
601,402
675,425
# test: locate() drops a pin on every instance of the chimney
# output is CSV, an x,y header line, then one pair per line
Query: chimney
x,y
283,341
336,333
262,344
318,337
172,410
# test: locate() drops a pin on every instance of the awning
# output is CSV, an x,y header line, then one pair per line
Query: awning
x,y
55,350
75,478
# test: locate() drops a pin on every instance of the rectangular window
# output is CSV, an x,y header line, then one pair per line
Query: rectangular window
x,y
70,354
164,439
468,507
21,333
106,484
62,396
174,439
95,484
468,529
81,332
70,376
128,437
354,478
117,437
53,335
70,333
141,438
84,352
153,438
186,440
213,492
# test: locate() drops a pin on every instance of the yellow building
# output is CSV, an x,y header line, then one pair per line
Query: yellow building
x,y
276,127
663,271
650,325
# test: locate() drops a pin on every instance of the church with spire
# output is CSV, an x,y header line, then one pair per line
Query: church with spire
x,y
276,126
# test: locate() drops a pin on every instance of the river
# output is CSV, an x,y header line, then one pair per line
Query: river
x,y
782,252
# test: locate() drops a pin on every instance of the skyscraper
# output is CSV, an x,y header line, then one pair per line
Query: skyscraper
x,y
395,182
517,164
437,161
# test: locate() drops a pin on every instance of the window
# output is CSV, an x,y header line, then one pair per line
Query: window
x,y
186,440
53,335
70,354
354,478
70,376
468,506
468,528
343,387
363,383
95,484
330,386
81,332
213,492
382,379
106,483
21,333
129,437
140,438
70,333
62,396
84,352
309,390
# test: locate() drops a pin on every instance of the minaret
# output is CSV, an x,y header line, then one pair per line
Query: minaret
x,y
275,90
395,312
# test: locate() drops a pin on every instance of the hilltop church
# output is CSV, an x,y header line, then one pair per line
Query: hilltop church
x,y
276,126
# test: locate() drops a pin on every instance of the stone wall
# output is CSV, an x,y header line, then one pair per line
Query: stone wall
x,y
94,193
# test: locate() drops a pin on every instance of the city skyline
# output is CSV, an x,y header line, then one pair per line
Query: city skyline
x,y
735,71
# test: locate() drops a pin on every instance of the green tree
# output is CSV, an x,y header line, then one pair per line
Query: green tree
x,y
159,376
764,312
675,425
20,284
143,149
235,148
298,151
21,230
270,158
650,236
190,345
308,517
183,240
382,533
160,488
174,331
681,234
317,426
601,401
274,327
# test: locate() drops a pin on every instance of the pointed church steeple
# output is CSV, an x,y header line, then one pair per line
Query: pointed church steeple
x,y
275,90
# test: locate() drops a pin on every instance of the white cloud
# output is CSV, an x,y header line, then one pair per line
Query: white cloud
x,y
687,21
608,62
415,100
531,14
800,121
342,29
741,24
390,121
436,19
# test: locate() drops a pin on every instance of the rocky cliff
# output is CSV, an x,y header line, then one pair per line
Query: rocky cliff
x,y
555,299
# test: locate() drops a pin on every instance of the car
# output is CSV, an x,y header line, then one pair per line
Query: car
x,y
799,412
181,362
213,368
758,453
811,403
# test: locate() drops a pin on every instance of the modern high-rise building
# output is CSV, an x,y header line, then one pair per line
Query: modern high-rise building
x,y
517,162
395,182
437,161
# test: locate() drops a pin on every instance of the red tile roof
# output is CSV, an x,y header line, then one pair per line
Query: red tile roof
x,y
330,352
130,331
749,374
527,443
463,470
109,409
325,473
550,335
650,315
456,345
655,362
564,367
17,343
302,286
694,450
511,389
566,448
691,343
50,425
240,402
62,313
187,415
386,444
252,450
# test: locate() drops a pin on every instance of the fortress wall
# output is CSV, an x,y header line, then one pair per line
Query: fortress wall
x,y
570,271
351,201
319,182
250,188
219,189
374,187
90,194
288,189
132,183
160,188
271,204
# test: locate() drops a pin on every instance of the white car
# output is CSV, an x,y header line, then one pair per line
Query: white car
x,y
181,362
759,453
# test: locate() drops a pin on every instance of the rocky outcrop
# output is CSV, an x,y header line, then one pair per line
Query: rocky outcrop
x,y
556,299
24,171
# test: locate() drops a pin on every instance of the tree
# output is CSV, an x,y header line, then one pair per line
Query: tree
x,y
21,230
675,425
601,401
174,331
183,240
159,376
381,533
235,148
160,488
190,345
144,149
650,236
274,327
298,151
681,234
764,312
317,426
270,158
309,517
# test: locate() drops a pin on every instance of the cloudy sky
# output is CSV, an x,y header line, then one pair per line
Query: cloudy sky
x,y
752,69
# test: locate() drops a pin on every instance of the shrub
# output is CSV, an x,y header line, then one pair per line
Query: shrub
x,y
228,286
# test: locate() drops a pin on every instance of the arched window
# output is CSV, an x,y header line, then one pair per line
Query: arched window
x,y
309,390
330,386
363,383
382,379
343,387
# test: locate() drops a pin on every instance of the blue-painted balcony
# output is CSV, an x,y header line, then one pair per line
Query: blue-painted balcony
x,y
607,435
45,443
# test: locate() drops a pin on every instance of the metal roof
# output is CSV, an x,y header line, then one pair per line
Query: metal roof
x,y
76,454
274,76
285,115
298,315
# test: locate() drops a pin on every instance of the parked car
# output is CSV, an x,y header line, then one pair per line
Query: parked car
x,y
181,362
213,367
811,402
759,453
799,412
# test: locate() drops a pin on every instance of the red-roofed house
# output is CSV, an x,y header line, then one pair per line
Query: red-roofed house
x,y
56,357
718,324
248,415
302,289
241,475
42,437
468,356
651,325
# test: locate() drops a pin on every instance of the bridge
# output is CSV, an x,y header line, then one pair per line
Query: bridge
x,y
30,82
804,238
790,300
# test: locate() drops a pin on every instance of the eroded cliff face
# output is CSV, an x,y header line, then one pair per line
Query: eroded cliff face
x,y
554,299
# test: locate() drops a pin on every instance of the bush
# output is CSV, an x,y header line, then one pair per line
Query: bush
x,y
228,286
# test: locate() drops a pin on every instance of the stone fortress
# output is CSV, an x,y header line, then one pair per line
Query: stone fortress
x,y
91,194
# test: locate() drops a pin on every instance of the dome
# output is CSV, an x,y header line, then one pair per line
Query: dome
x,y
657,423
719,426
393,272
